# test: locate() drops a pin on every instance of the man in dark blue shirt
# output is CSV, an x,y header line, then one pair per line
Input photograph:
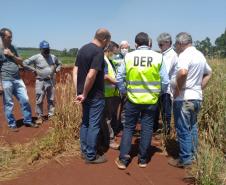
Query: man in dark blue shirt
x,y
88,77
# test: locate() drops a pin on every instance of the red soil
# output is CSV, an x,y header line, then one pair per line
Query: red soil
x,y
76,171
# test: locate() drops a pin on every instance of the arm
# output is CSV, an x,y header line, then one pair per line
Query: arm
x,y
205,80
109,79
120,78
207,75
74,74
29,62
164,78
18,60
90,79
2,58
106,76
180,81
58,64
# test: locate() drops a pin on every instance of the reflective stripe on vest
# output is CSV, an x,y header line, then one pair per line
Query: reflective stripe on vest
x,y
110,90
143,77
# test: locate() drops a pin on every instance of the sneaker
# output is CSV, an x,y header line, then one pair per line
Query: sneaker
x,y
13,128
39,121
114,145
99,159
177,163
32,125
50,115
142,165
120,164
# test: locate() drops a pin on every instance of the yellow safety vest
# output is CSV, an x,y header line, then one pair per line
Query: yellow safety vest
x,y
143,76
117,61
110,90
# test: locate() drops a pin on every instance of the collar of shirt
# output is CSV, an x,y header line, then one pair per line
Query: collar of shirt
x,y
143,48
166,51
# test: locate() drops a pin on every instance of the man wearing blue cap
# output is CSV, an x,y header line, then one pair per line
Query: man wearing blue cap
x,y
45,65
12,84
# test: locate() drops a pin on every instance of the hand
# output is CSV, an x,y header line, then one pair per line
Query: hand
x,y
7,52
1,89
57,69
176,93
35,73
80,98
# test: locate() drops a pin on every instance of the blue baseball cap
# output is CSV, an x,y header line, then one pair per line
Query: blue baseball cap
x,y
44,45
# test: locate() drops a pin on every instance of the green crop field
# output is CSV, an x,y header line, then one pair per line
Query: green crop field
x,y
28,52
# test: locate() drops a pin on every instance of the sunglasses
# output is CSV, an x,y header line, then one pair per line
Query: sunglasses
x,y
161,44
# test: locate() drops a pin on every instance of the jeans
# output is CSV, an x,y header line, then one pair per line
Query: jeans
x,y
185,115
17,88
165,107
90,127
132,113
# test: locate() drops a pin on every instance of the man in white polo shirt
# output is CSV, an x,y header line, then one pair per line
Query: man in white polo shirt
x,y
170,59
192,77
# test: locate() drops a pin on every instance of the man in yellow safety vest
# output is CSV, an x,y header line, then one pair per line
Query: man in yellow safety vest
x,y
111,94
145,75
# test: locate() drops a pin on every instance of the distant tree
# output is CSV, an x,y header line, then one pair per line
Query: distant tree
x,y
64,52
221,44
205,46
73,52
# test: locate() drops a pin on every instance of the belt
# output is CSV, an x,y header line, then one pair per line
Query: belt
x,y
43,79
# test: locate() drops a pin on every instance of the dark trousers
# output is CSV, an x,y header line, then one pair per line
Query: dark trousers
x,y
165,107
132,113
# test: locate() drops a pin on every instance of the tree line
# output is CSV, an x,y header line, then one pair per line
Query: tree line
x,y
70,52
210,50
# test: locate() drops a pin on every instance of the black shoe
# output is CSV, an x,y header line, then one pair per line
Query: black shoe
x,y
32,125
99,159
176,163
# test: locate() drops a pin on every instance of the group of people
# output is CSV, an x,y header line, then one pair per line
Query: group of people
x,y
44,65
118,88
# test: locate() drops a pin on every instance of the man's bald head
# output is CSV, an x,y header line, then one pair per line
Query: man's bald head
x,y
102,34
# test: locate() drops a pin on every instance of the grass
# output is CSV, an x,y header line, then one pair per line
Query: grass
x,y
210,166
62,139
66,60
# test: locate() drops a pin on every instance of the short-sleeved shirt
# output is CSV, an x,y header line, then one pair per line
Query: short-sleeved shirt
x,y
8,67
170,59
195,63
44,65
89,57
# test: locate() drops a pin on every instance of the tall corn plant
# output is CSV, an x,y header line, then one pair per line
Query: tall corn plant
x,y
210,166
212,118
68,114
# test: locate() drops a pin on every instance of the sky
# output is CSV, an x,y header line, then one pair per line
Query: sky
x,y
73,23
